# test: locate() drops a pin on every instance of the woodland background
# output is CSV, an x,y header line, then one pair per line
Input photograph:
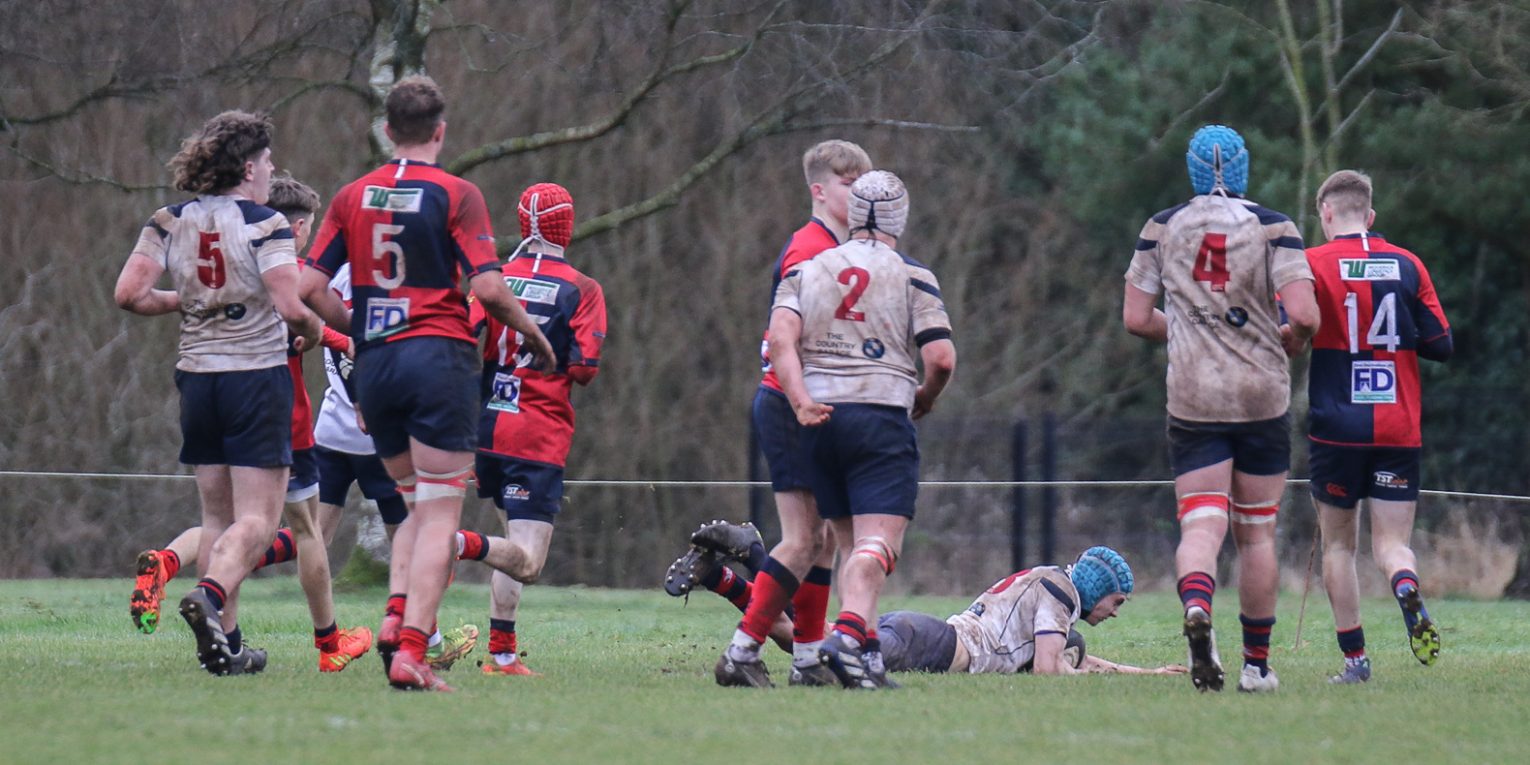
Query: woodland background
x,y
1035,137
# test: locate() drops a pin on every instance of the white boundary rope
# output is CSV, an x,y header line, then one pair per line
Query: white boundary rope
x,y
654,484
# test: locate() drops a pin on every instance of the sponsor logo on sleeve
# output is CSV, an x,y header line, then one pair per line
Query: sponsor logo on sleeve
x,y
1367,270
1373,382
391,199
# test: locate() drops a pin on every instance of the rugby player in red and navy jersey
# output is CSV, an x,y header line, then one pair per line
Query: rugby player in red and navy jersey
x,y
526,426
799,569
409,231
1380,315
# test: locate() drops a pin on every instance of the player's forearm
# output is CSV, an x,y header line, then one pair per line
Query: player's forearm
x,y
787,364
317,295
152,303
939,359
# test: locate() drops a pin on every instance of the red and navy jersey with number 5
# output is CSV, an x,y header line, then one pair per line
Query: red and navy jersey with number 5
x,y
811,239
1379,316
409,230
527,414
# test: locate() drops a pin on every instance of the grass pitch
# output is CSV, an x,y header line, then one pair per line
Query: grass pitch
x,y
628,679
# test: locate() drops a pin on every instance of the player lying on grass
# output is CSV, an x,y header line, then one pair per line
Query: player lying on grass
x,y
1023,623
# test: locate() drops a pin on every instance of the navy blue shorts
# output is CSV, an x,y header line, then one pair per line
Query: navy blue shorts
x,y
303,481
914,642
236,418
775,424
863,461
525,490
338,470
1255,448
1344,475
424,388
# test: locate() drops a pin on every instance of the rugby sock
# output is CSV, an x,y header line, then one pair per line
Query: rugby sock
x,y
472,545
852,626
215,592
282,549
235,639
502,639
327,639
170,562
773,589
1196,589
811,607
1405,583
412,642
1256,642
395,604
756,559
1352,643
735,588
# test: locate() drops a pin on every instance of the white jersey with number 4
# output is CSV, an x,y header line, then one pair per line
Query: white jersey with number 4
x,y
999,629
215,249
865,311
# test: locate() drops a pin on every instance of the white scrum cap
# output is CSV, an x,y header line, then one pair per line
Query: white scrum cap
x,y
878,200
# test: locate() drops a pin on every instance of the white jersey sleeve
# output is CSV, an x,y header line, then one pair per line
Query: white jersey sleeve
x,y
335,427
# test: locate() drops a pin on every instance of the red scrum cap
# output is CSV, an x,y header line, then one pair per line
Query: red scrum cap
x,y
547,213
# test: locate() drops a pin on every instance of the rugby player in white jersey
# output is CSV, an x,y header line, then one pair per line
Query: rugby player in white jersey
x,y
1219,261
845,329
234,277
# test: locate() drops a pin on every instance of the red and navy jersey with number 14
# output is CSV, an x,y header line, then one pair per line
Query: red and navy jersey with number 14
x,y
1379,316
527,414
409,230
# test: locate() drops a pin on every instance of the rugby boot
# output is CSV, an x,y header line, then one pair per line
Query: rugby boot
x,y
812,676
354,643
741,672
516,668
728,540
1423,638
1353,674
1252,680
845,659
408,674
878,670
454,645
387,640
212,645
249,661
689,569
148,591
1205,665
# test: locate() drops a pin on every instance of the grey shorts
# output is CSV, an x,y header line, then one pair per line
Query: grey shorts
x,y
915,642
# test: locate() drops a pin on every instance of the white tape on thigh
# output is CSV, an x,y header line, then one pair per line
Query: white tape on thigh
x,y
1263,512
1202,504
877,549
442,485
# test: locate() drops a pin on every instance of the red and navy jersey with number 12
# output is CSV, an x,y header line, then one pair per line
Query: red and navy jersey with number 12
x,y
527,414
811,239
409,230
1379,316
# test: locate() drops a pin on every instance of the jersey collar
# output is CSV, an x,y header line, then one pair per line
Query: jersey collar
x,y
826,229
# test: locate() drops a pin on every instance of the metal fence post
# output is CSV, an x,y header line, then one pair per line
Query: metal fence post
x,y
1017,496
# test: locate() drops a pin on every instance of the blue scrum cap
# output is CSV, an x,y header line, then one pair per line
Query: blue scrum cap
x,y
1098,572
1218,158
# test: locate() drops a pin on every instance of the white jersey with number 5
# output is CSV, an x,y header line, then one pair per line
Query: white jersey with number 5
x,y
215,248
865,311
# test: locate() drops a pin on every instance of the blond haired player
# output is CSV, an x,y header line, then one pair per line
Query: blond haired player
x,y
798,570
1218,261
845,329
